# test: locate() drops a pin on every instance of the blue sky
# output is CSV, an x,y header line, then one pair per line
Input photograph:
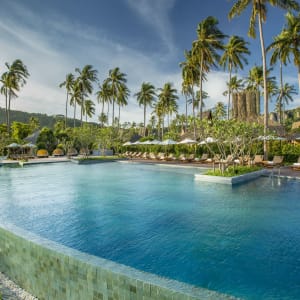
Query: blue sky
x,y
145,38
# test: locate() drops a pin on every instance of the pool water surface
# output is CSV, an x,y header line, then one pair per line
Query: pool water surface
x,y
243,241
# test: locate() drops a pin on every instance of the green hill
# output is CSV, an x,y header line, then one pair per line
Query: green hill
x,y
45,120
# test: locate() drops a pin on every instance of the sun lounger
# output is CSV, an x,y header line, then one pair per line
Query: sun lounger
x,y
276,162
258,160
296,165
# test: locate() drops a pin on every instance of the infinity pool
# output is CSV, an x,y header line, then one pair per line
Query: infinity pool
x,y
243,241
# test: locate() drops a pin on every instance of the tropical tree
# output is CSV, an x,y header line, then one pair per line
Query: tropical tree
x,y
103,119
84,84
12,80
168,99
68,83
219,111
190,77
146,97
233,58
115,80
89,109
209,41
76,97
259,14
122,96
104,96
288,42
235,85
284,97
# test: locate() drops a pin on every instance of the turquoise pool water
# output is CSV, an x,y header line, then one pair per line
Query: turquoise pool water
x,y
244,241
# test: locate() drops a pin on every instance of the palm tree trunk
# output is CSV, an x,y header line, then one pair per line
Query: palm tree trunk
x,y
113,113
8,112
200,86
299,76
107,113
266,112
280,95
144,119
74,113
194,116
229,92
186,114
6,108
119,116
66,117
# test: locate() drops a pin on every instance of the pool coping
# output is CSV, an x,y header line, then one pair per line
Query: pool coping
x,y
231,180
174,286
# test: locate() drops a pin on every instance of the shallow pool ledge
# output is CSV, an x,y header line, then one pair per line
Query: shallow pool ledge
x,y
231,180
51,271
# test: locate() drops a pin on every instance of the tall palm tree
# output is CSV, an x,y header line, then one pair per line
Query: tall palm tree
x,y
284,97
259,14
288,42
205,48
12,81
76,98
89,109
233,58
104,95
115,79
122,96
146,97
84,82
168,99
68,83
190,77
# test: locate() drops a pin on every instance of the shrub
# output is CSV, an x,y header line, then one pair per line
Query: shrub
x,y
233,171
42,153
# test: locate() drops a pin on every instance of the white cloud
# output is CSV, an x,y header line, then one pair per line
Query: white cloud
x,y
57,46
156,14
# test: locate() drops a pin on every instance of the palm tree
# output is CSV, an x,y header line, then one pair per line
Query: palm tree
x,y
288,42
146,97
75,99
259,13
205,48
115,79
122,96
219,110
103,119
233,58
89,109
84,82
12,81
168,100
104,95
190,76
284,97
68,83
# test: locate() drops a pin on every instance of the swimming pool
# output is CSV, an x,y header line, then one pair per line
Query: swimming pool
x,y
243,241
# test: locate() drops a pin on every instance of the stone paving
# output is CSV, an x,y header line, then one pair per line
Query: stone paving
x,y
10,291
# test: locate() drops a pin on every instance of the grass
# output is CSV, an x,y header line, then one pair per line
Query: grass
x,y
233,171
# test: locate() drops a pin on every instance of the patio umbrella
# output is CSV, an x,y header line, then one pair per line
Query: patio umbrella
x,y
168,142
208,140
188,141
29,145
13,145
127,144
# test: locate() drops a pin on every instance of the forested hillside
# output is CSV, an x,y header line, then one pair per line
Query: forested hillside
x,y
45,120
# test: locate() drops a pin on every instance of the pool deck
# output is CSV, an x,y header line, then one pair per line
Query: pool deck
x,y
285,171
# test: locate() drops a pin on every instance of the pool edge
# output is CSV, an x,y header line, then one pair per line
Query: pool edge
x,y
50,270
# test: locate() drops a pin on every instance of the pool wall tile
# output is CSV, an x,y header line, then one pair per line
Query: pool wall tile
x,y
52,271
